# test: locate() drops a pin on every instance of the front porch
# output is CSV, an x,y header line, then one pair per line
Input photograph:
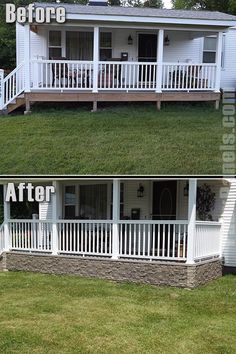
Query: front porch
x,y
139,220
114,64
121,229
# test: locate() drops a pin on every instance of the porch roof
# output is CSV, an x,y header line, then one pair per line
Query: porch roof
x,y
158,15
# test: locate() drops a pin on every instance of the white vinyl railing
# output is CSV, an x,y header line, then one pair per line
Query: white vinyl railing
x,y
189,77
62,74
127,76
207,239
138,76
153,239
121,76
85,237
30,235
150,240
11,86
2,240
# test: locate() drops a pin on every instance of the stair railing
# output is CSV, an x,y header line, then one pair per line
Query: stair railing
x,y
11,86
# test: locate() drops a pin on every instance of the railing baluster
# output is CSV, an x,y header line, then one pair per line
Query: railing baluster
x,y
179,235
184,242
173,242
149,241
130,252
142,227
168,241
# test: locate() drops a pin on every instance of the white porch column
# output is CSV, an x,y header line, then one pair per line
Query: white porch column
x,y
95,58
160,52
192,200
116,218
218,60
27,56
1,89
55,216
7,217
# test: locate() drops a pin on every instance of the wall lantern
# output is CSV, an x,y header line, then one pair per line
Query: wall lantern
x,y
140,191
186,190
130,40
167,41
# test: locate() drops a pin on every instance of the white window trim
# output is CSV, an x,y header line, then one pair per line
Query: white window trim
x,y
54,46
215,51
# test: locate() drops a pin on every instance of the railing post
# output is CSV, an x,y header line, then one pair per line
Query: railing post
x,y
2,94
192,200
95,58
7,216
55,200
218,60
27,57
221,220
160,52
116,217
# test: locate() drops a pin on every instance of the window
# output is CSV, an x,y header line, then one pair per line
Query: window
x,y
70,202
55,50
121,201
79,45
105,45
209,50
93,202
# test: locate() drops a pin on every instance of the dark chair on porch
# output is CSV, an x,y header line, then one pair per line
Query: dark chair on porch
x,y
61,71
196,78
110,75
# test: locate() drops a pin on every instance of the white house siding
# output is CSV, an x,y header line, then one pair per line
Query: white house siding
x,y
131,201
182,48
45,211
120,43
38,43
228,79
229,227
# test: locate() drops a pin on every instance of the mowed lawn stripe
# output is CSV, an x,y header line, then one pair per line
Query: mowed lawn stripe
x,y
132,139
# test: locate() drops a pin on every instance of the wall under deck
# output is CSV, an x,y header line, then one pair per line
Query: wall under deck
x,y
155,273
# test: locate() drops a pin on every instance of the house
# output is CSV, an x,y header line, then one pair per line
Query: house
x,y
104,53
169,231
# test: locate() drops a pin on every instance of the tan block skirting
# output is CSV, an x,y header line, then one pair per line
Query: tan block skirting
x,y
155,273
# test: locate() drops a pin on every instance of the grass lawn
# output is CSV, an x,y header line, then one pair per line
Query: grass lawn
x,y
66,314
131,139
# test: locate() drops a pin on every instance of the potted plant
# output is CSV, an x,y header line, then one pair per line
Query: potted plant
x,y
205,203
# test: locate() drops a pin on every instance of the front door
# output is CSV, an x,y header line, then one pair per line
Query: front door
x,y
147,52
164,208
164,200
147,47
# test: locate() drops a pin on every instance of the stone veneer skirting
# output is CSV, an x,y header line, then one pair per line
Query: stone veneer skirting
x,y
155,273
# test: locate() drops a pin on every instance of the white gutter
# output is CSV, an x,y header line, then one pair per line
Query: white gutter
x,y
143,19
